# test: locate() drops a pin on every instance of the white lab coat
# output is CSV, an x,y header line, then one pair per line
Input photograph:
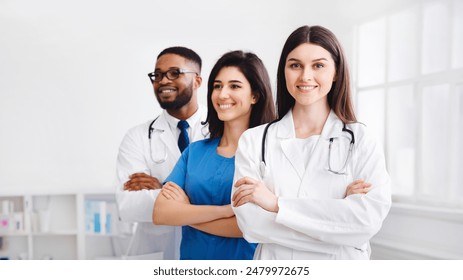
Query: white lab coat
x,y
137,206
314,220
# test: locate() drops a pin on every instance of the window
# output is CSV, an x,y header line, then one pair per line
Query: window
x,y
435,36
457,189
410,94
435,133
371,106
401,121
372,49
457,35
402,45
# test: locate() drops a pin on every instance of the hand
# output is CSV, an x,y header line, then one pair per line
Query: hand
x,y
358,187
228,211
172,191
250,190
142,181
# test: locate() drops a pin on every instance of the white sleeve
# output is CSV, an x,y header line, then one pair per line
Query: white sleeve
x,y
134,206
351,221
257,224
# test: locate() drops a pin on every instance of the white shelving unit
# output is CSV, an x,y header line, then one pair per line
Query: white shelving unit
x,y
55,226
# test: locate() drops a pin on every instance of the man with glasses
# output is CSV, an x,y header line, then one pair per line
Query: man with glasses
x,y
149,151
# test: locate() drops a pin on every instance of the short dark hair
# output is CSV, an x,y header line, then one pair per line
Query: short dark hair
x,y
253,69
339,97
183,52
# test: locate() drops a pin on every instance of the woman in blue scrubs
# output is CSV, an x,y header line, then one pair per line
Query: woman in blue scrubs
x,y
197,193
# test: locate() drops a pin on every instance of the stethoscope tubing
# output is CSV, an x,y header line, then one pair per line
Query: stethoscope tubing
x,y
150,128
264,138
344,129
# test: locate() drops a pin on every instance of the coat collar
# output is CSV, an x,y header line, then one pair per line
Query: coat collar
x,y
166,125
285,126
286,133
332,127
170,122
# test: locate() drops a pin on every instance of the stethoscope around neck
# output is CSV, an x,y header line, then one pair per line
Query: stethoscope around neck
x,y
349,153
263,163
152,130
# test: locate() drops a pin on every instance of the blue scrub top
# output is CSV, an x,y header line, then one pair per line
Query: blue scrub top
x,y
207,179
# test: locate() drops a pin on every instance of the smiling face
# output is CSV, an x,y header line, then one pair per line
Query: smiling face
x,y
232,96
174,94
309,72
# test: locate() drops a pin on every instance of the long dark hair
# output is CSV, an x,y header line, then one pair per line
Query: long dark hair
x,y
255,72
339,97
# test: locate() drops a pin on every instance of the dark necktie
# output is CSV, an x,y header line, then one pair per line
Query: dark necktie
x,y
183,140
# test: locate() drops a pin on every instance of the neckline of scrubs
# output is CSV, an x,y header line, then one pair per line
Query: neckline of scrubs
x,y
216,142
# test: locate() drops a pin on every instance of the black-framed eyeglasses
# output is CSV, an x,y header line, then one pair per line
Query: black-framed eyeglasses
x,y
171,74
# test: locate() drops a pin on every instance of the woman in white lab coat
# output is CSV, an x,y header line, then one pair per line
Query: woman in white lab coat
x,y
290,186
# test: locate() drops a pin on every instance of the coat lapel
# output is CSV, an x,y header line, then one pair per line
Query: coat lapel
x,y
200,131
166,136
332,127
319,157
287,135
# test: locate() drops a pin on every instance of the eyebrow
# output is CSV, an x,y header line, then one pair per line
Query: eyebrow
x,y
232,81
314,60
